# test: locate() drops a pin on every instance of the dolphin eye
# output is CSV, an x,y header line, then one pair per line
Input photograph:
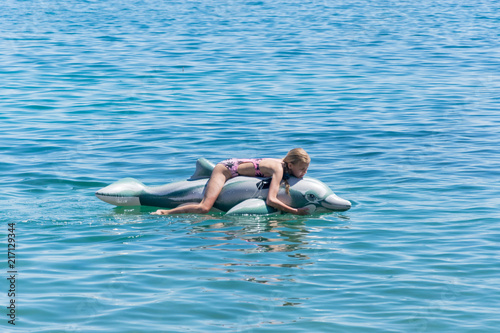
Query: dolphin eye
x,y
310,197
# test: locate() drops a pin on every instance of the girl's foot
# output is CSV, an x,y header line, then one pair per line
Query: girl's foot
x,y
160,212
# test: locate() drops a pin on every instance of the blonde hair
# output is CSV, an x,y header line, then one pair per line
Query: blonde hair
x,y
297,155
294,156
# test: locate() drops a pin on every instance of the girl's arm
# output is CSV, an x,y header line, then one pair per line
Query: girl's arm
x,y
272,196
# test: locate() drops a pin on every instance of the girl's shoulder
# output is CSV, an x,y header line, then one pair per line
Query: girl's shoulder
x,y
271,163
271,160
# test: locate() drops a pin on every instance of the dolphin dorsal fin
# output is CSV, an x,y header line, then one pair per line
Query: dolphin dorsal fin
x,y
203,169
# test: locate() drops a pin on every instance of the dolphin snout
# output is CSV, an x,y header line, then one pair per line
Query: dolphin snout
x,y
334,202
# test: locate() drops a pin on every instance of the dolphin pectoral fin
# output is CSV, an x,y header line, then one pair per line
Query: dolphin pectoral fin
x,y
204,169
251,206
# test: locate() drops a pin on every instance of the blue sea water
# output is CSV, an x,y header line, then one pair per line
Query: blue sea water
x,y
396,101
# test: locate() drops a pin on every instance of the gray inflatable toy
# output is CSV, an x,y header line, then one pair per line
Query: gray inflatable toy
x,y
240,195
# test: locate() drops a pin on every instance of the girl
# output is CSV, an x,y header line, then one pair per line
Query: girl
x,y
295,163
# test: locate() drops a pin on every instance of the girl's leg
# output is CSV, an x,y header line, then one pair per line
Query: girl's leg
x,y
219,176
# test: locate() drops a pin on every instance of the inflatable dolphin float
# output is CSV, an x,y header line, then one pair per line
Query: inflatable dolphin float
x,y
240,195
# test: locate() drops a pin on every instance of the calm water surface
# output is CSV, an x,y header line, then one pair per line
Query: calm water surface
x,y
396,102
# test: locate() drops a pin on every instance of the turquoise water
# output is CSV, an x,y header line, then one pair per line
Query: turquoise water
x,y
396,102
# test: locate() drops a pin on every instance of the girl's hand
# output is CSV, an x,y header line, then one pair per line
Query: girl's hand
x,y
307,210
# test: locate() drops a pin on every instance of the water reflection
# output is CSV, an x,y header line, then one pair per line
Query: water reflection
x,y
252,234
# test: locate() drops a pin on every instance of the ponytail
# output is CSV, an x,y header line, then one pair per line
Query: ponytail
x,y
286,175
294,156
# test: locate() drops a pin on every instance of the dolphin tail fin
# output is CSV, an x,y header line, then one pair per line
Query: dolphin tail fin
x,y
203,169
125,192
